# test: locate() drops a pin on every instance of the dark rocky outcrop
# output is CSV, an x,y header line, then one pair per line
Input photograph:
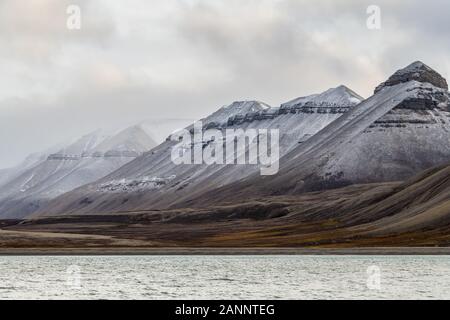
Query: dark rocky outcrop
x,y
58,156
417,71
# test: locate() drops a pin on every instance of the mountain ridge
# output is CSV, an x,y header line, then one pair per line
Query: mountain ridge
x,y
399,131
155,175
390,140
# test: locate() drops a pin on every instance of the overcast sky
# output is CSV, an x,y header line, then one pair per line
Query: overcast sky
x,y
182,59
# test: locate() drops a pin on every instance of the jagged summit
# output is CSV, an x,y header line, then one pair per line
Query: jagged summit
x,y
234,109
340,95
333,101
417,71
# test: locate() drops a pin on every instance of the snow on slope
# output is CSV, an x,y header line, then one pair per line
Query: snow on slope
x,y
385,139
417,71
341,95
234,109
10,173
401,130
154,180
30,161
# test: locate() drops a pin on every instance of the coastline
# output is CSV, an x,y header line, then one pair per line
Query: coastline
x,y
376,251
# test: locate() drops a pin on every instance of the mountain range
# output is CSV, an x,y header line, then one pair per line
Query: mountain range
x,y
327,140
353,172
403,129
154,181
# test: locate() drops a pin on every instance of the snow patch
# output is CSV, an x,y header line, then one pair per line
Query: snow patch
x,y
135,185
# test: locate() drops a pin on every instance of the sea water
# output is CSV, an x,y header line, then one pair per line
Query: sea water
x,y
225,277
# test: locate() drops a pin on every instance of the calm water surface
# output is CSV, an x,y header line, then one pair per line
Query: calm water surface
x,y
224,277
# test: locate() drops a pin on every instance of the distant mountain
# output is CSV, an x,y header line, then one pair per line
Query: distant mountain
x,y
153,180
86,143
8,174
235,109
85,160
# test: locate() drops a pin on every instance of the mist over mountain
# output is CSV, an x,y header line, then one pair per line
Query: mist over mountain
x,y
27,187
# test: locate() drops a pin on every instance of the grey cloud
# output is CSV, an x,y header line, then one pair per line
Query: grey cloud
x,y
167,59
36,29
276,46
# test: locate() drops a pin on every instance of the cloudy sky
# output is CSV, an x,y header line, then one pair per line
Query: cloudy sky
x,y
164,60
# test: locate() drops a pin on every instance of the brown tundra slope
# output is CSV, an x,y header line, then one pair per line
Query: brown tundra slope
x,y
413,213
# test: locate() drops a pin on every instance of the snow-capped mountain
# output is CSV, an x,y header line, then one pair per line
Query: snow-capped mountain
x,y
340,96
402,129
85,160
153,180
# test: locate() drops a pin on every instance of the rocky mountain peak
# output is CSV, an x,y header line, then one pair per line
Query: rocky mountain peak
x,y
235,109
417,71
339,96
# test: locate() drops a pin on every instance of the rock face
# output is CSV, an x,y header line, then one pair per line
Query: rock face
x,y
153,180
417,71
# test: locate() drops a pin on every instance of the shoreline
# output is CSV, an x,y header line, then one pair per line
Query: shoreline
x,y
375,251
